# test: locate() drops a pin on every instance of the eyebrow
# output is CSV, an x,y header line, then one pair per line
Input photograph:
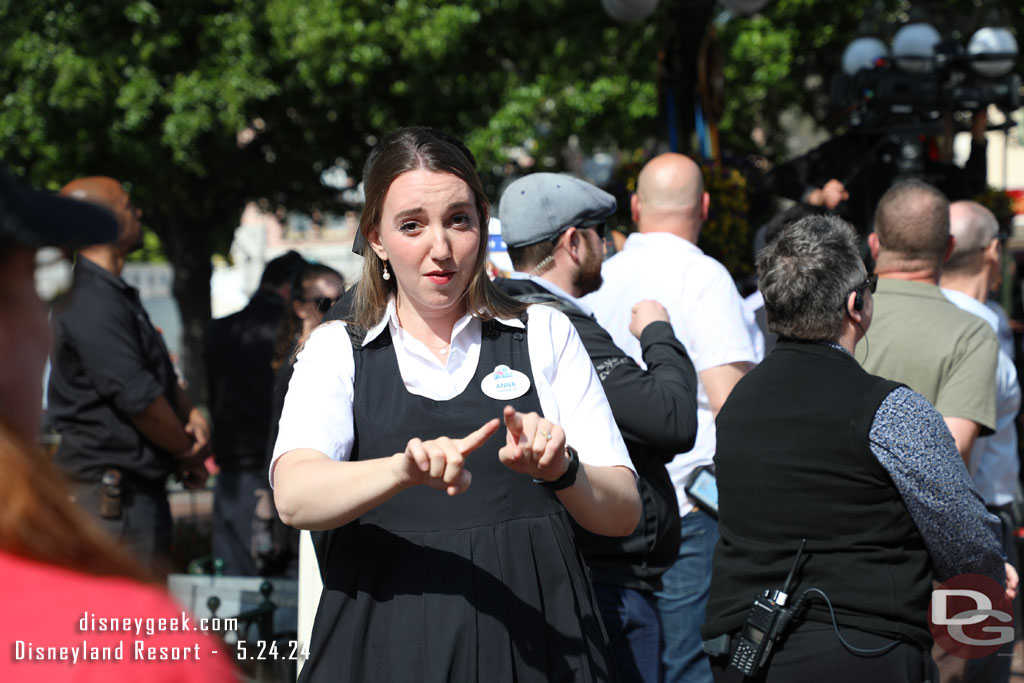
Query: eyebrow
x,y
402,215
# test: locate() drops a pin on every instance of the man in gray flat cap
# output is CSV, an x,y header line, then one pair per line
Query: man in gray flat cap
x,y
554,227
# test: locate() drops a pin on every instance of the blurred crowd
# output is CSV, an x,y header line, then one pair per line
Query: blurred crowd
x,y
666,452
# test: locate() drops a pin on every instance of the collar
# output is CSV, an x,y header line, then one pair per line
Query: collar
x,y
889,285
86,268
816,346
660,241
971,305
390,320
553,289
837,347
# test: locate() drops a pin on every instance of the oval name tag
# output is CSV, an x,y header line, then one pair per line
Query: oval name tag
x,y
505,383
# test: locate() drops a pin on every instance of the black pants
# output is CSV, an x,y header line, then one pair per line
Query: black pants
x,y
144,527
811,653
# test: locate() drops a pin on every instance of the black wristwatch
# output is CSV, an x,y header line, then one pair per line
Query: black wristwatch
x,y
568,478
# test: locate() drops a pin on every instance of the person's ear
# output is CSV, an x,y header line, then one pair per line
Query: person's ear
x,y
571,240
950,243
874,245
705,205
992,250
858,302
634,207
373,239
855,307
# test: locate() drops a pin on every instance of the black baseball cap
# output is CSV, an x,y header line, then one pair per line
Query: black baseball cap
x,y
34,218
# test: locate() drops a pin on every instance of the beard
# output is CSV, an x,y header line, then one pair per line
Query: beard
x,y
587,278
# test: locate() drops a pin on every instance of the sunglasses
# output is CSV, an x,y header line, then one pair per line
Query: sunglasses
x,y
871,284
322,303
599,228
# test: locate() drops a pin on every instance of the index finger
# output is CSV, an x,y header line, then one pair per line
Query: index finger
x,y
476,439
514,423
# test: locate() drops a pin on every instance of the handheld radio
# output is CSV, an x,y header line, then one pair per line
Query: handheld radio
x,y
767,618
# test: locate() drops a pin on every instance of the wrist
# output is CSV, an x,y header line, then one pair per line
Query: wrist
x,y
404,471
568,476
183,455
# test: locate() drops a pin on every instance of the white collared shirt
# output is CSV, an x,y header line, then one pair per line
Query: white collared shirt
x,y
317,411
704,308
994,462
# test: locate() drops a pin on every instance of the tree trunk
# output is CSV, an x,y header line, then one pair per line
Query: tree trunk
x,y
687,24
188,251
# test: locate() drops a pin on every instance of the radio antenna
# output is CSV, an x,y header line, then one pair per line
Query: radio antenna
x,y
792,572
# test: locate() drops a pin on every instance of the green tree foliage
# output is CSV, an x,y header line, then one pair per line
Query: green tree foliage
x,y
783,58
202,105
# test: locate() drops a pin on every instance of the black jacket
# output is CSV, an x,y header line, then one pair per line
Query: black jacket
x,y
656,411
238,351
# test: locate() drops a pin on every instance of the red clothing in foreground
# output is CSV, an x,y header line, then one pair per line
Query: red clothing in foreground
x,y
117,630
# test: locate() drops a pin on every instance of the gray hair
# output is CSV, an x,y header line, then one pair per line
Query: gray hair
x,y
806,275
973,228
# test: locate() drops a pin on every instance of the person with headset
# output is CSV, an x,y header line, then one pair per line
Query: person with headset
x,y
832,476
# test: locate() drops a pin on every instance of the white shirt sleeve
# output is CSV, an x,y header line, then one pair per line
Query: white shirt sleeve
x,y
723,335
569,390
317,410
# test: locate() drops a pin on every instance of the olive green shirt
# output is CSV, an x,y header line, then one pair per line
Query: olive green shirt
x,y
920,338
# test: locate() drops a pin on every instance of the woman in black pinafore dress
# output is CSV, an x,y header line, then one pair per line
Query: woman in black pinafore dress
x,y
484,583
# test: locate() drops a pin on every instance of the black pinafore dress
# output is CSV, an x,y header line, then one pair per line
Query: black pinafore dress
x,y
484,586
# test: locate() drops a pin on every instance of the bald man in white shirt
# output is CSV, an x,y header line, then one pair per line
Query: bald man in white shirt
x,y
661,261
974,269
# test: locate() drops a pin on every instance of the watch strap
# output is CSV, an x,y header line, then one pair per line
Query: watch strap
x,y
568,478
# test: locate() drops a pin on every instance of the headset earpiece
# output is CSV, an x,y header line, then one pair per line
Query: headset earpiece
x,y
858,302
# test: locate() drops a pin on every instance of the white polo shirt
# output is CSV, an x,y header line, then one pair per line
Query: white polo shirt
x,y
706,312
317,410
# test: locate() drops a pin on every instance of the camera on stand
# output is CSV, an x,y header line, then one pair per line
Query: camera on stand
x,y
912,91
886,93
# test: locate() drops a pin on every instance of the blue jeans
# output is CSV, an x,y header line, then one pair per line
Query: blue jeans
x,y
634,632
683,598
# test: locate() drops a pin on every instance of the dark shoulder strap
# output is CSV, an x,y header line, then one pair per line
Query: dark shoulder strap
x,y
356,335
548,299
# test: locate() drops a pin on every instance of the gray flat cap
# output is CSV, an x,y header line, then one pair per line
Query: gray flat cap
x,y
542,206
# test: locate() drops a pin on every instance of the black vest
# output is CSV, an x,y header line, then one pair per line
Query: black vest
x,y
486,585
794,462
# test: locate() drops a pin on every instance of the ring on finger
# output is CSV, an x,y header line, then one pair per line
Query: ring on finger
x,y
547,435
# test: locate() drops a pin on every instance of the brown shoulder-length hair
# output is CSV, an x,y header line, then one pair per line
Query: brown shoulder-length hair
x,y
39,521
408,149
